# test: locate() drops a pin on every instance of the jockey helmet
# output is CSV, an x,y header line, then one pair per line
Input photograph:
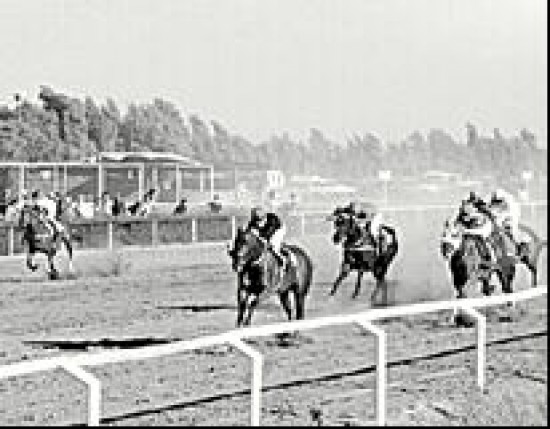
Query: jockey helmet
x,y
257,213
499,195
472,197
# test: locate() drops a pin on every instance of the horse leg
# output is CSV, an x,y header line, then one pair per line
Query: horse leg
x,y
486,287
250,304
285,301
344,272
379,273
357,284
242,297
53,274
299,302
534,274
460,289
30,264
68,245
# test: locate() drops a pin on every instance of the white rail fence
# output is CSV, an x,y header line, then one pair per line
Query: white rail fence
x,y
73,364
301,219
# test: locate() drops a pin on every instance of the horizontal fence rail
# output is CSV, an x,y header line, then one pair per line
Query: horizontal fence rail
x,y
73,364
126,232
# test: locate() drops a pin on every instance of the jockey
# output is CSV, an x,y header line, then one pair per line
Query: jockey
x,y
474,218
370,221
48,209
350,209
506,211
269,227
374,227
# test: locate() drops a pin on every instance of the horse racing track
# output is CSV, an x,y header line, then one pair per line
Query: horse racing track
x,y
129,299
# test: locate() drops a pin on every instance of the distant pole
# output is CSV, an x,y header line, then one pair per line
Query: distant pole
x,y
178,183
212,183
385,176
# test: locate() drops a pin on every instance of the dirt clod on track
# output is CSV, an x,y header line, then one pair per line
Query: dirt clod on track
x,y
324,377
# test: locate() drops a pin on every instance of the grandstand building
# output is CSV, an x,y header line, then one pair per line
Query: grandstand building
x,y
126,174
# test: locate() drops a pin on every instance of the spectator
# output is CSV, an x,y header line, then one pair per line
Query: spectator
x,y
134,208
118,207
148,201
215,205
181,208
4,202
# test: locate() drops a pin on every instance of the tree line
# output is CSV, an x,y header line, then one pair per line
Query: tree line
x,y
62,128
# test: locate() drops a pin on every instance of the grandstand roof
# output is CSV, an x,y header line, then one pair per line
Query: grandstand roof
x,y
151,157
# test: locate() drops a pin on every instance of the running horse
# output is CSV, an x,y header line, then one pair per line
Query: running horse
x,y
361,256
37,238
259,273
468,259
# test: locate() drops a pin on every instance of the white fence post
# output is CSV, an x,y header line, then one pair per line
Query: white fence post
x,y
94,390
256,391
11,239
110,234
481,334
380,369
194,230
154,232
303,223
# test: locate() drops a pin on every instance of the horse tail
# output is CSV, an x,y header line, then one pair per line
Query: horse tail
x,y
531,233
308,264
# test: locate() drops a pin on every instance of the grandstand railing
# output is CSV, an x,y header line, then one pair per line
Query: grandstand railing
x,y
365,319
114,232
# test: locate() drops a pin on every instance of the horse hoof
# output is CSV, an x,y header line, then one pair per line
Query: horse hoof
x,y
53,275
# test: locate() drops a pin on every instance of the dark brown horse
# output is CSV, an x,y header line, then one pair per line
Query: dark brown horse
x,y
362,257
259,273
38,238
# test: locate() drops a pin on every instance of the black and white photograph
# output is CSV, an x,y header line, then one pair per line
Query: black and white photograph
x,y
273,212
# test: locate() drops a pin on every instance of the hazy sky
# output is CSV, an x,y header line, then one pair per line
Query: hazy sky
x,y
265,66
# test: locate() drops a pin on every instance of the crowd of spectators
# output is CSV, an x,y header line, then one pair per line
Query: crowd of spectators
x,y
104,206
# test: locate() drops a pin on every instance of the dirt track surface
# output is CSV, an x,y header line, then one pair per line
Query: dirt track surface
x,y
137,298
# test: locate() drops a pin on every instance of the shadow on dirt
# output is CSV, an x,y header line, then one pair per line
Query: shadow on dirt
x,y
106,343
198,308
12,280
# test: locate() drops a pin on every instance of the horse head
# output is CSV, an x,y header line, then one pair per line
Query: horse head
x,y
451,239
345,228
247,248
